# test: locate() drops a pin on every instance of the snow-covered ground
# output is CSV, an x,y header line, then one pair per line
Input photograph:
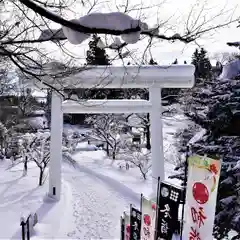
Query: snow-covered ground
x,y
95,193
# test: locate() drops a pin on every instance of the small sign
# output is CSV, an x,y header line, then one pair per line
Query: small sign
x,y
135,223
167,217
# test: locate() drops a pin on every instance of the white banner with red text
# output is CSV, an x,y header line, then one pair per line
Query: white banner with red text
x,y
201,195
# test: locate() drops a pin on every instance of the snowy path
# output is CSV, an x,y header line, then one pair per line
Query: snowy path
x,y
97,205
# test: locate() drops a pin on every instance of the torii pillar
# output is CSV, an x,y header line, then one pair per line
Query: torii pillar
x,y
55,164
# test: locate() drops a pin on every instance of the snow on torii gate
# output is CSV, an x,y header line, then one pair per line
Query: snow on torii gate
x,y
151,77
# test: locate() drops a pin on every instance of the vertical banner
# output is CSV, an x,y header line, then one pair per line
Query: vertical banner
x,y
167,220
148,219
122,224
135,223
126,226
201,195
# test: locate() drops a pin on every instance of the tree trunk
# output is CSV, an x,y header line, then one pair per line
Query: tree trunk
x,y
40,181
107,149
143,173
148,136
25,166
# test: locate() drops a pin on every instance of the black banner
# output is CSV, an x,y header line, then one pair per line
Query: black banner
x,y
122,222
167,215
135,224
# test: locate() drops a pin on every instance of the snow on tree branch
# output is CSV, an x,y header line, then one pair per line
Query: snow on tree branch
x,y
115,23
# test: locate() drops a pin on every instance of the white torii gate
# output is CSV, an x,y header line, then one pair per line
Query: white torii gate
x,y
151,77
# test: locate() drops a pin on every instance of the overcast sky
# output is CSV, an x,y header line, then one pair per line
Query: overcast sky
x,y
178,11
216,42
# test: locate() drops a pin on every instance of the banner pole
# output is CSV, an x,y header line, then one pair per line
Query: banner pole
x,y
141,202
184,190
131,233
157,204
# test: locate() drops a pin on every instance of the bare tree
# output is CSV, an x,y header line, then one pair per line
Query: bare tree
x,y
27,33
107,128
41,159
27,145
225,57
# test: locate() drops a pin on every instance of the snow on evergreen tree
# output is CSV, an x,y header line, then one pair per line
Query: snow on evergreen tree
x,y
215,107
202,64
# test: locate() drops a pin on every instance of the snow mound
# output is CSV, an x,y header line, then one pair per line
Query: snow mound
x,y
112,21
75,37
230,70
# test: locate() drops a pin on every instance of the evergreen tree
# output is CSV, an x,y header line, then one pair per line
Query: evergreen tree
x,y
202,64
195,57
214,106
96,55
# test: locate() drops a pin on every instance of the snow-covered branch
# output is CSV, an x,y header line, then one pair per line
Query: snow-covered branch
x,y
115,23
107,129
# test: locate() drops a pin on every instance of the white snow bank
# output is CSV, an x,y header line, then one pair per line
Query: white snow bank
x,y
21,196
112,21
230,70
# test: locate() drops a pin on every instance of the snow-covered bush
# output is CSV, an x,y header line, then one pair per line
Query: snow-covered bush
x,y
41,155
139,159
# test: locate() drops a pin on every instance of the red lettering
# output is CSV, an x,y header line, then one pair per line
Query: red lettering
x,y
198,217
194,234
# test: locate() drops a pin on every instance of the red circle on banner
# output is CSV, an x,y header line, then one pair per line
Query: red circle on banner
x,y
200,192
147,219
128,228
154,206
